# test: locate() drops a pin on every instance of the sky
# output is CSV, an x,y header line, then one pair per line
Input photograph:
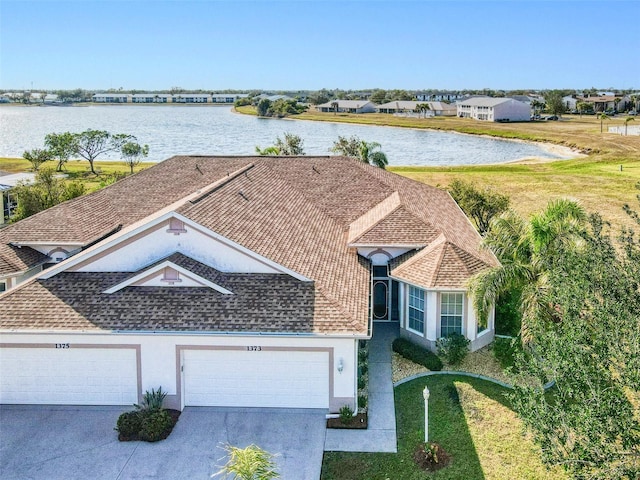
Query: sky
x,y
309,45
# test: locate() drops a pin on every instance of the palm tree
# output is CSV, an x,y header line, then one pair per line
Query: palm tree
x,y
602,117
526,251
335,106
370,153
626,122
423,108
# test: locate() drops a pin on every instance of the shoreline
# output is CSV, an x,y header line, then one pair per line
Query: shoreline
x,y
562,151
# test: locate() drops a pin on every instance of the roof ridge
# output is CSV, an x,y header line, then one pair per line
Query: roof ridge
x,y
365,222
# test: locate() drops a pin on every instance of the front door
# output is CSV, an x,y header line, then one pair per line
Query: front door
x,y
384,295
380,299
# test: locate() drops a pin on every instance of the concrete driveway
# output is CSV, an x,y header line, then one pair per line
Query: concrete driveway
x,y
51,443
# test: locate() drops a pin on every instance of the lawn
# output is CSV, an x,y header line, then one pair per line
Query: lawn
x,y
471,419
600,185
77,170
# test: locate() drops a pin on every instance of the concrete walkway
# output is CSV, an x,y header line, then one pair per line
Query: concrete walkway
x,y
381,434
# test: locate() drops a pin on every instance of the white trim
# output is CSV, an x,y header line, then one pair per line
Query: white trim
x,y
160,267
128,233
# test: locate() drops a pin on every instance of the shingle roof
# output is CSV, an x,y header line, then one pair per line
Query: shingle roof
x,y
295,211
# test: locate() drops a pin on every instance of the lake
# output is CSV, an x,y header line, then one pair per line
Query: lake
x,y
216,130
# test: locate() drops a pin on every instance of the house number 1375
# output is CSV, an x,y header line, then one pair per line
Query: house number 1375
x,y
62,345
254,348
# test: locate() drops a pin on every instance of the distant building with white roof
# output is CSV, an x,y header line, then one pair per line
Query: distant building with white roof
x,y
494,109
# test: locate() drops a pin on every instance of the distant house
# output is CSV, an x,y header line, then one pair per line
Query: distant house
x,y
347,106
151,98
604,103
493,109
570,102
436,109
51,98
227,97
8,202
112,98
439,96
192,98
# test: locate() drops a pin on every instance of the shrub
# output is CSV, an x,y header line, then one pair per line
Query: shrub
x,y
362,401
152,400
453,348
129,424
346,414
508,316
361,382
505,349
156,425
417,354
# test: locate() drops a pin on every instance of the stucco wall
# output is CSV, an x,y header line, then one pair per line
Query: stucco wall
x,y
160,362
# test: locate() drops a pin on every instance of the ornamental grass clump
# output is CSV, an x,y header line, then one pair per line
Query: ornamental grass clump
x,y
250,463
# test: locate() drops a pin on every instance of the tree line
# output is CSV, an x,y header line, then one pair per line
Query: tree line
x,y
88,145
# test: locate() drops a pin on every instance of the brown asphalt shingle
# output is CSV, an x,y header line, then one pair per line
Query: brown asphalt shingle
x,y
299,212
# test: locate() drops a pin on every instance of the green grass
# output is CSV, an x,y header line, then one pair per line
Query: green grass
x,y
471,419
76,170
599,185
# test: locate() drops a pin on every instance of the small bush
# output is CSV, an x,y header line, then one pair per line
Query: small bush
x,y
361,382
417,354
152,400
362,401
156,425
453,348
129,424
505,349
346,414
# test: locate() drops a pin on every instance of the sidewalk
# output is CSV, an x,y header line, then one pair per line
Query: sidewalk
x,y
381,434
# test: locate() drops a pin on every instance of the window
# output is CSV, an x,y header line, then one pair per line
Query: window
x,y
450,313
416,309
3,286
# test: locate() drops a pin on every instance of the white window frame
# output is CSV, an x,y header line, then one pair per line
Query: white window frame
x,y
419,295
447,295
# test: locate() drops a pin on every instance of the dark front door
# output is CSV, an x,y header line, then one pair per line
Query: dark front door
x,y
381,299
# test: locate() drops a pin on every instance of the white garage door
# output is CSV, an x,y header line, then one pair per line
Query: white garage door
x,y
68,376
256,379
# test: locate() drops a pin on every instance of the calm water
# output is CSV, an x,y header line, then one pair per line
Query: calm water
x,y
179,130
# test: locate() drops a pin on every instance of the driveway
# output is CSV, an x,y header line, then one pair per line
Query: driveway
x,y
51,443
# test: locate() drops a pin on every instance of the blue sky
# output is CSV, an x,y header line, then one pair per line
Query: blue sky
x,y
319,44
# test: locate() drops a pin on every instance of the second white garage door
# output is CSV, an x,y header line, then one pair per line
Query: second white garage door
x,y
234,378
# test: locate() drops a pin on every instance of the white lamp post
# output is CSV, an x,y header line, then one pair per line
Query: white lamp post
x,y
425,394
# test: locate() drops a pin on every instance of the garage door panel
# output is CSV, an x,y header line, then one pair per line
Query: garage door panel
x,y
75,376
295,379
